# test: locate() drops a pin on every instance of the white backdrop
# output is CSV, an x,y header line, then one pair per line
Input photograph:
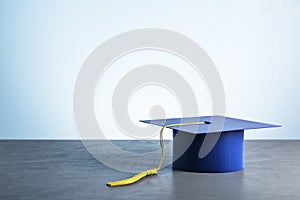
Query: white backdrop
x,y
255,46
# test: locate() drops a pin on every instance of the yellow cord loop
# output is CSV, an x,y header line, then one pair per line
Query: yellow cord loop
x,y
154,171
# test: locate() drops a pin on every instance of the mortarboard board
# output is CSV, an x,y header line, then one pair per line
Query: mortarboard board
x,y
226,154
225,147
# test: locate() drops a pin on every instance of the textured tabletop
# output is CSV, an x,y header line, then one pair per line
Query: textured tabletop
x,y
66,170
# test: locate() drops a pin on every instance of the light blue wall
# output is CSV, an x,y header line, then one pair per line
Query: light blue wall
x,y
255,46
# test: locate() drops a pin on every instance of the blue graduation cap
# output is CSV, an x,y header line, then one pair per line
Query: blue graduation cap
x,y
222,139
226,140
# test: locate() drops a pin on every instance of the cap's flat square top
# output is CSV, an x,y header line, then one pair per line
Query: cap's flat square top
x,y
214,124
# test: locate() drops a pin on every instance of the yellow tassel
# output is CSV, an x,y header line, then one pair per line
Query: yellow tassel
x,y
154,171
133,179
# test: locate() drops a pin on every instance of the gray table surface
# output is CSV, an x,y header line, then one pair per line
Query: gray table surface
x,y
66,170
